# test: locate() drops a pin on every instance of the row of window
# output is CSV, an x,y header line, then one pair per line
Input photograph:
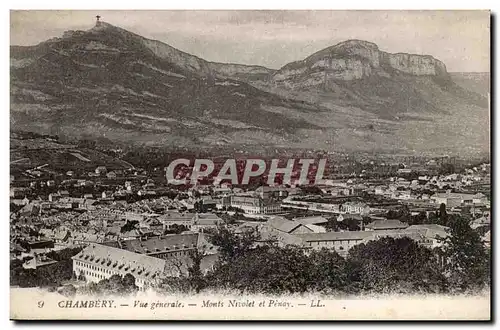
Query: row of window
x,y
101,276
243,204
262,210
93,267
342,242
187,225
173,254
348,242
93,274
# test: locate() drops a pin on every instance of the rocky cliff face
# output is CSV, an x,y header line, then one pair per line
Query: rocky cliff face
x,y
417,65
185,61
109,83
205,68
354,60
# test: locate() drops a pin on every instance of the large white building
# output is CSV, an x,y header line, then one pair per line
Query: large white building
x,y
341,242
304,204
97,262
428,235
355,208
256,204
197,222
458,199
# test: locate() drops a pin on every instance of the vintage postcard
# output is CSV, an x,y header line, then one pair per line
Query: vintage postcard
x,y
250,165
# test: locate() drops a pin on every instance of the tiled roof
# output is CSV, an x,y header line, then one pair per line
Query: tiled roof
x,y
281,237
416,236
247,227
387,224
175,216
161,244
268,189
355,204
123,261
255,201
428,226
38,261
454,195
311,220
206,219
335,236
282,224
316,229
429,230
131,233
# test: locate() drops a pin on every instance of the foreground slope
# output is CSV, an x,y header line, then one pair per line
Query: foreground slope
x,y
477,82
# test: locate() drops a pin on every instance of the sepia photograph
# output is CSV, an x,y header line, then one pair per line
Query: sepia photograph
x,y
250,165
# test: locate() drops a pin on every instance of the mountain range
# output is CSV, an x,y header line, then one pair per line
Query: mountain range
x,y
109,83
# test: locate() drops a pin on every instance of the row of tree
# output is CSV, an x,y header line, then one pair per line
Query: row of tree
x,y
52,275
440,217
382,266
245,264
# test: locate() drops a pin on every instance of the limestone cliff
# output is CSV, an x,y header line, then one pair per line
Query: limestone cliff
x,y
354,60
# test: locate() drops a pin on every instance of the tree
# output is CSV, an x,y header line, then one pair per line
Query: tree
x,y
190,276
273,269
433,218
230,244
389,264
348,224
198,206
228,219
402,213
194,271
405,213
68,291
89,289
64,254
130,225
265,269
176,229
332,224
128,283
115,285
467,262
446,169
328,271
443,216
418,219
46,276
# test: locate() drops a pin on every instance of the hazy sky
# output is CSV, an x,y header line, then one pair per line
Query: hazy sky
x,y
273,38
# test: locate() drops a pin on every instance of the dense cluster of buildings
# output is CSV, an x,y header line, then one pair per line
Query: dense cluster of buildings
x,y
301,232
156,233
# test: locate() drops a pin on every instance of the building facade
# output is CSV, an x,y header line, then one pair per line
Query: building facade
x,y
98,262
256,204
